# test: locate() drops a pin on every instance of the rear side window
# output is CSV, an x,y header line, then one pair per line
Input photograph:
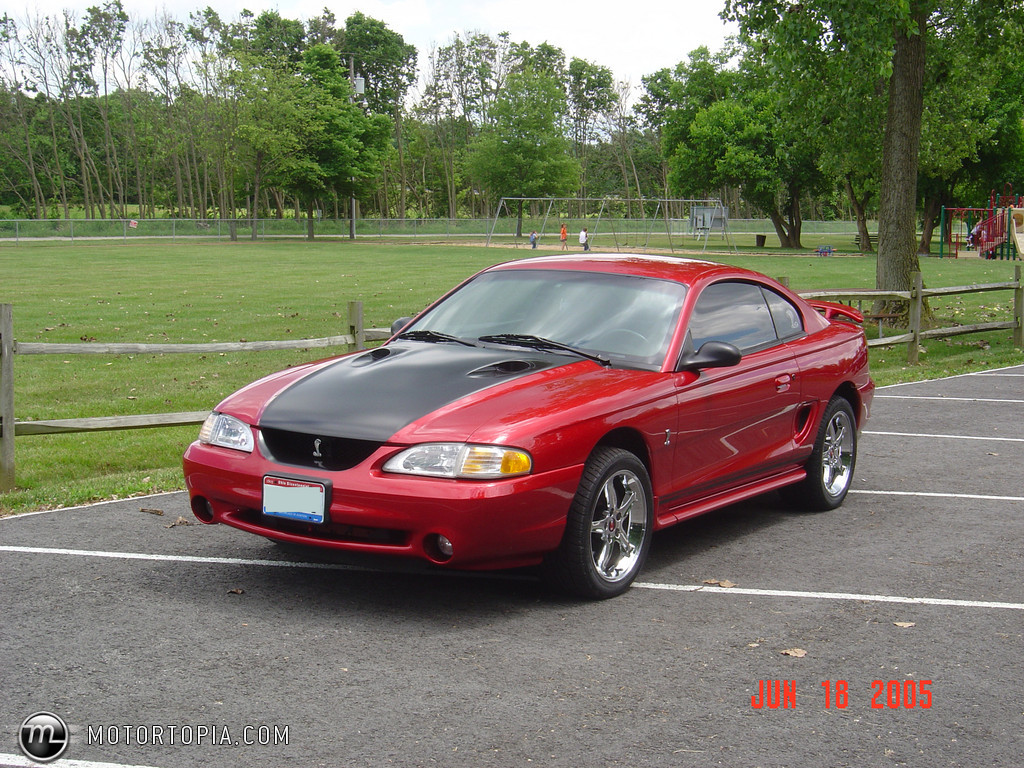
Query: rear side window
x,y
745,314
788,322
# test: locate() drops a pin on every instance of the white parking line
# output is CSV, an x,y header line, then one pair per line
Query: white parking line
x,y
948,399
946,437
980,496
640,585
17,761
831,596
180,558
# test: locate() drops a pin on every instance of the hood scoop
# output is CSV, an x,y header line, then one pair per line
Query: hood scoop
x,y
373,356
505,368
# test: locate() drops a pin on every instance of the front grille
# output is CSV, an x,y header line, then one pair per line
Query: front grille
x,y
316,451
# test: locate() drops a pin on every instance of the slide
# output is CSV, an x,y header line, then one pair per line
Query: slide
x,y
1017,229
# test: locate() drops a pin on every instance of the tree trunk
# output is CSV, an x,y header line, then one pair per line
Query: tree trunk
x,y
859,206
932,210
897,230
780,229
796,220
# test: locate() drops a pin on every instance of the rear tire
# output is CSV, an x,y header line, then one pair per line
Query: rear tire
x,y
608,529
830,468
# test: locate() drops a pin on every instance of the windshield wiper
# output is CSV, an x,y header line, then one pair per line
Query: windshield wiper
x,y
434,336
537,342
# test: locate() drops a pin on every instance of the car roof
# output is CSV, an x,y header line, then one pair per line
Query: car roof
x,y
681,270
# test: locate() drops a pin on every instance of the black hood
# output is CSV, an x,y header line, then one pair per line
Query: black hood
x,y
372,395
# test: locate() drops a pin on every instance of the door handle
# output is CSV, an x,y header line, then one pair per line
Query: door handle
x,y
783,382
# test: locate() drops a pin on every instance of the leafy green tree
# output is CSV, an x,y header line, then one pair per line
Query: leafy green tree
x,y
724,128
591,93
523,153
341,146
880,45
265,138
387,65
463,78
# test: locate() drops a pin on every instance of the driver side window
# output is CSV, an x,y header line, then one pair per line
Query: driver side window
x,y
739,313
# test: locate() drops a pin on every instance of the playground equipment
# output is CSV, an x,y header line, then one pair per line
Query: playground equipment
x,y
1017,228
996,232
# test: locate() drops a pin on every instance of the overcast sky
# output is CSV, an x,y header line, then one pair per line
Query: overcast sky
x,y
631,39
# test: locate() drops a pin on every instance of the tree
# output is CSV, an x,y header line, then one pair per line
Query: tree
x,y
465,76
867,39
387,65
265,138
523,153
341,146
724,128
591,93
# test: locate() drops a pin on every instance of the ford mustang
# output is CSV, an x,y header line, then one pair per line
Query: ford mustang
x,y
554,411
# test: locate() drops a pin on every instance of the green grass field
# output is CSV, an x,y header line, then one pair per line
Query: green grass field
x,y
202,292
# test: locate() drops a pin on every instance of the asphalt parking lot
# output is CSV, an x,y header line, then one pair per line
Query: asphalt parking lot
x,y
895,625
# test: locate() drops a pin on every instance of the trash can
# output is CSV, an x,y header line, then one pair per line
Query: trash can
x,y
760,240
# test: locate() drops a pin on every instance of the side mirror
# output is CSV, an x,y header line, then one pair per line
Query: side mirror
x,y
712,354
399,324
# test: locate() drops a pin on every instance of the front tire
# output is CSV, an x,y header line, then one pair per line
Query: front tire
x,y
830,468
608,529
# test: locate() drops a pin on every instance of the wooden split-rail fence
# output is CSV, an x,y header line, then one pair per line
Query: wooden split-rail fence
x,y
357,337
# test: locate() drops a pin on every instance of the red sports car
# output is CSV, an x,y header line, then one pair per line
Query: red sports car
x,y
552,411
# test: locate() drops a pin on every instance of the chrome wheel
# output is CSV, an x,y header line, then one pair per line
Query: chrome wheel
x,y
830,467
619,527
608,529
837,454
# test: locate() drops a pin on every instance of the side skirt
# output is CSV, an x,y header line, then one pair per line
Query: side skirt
x,y
699,506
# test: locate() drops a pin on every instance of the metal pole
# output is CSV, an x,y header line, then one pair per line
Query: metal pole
x,y
942,232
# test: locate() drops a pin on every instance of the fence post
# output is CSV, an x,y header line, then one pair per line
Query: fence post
x,y
916,299
1018,309
6,397
355,326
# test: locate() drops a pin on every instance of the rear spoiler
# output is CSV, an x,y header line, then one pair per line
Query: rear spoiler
x,y
831,311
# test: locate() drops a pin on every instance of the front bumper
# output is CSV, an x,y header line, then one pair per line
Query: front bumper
x,y
490,524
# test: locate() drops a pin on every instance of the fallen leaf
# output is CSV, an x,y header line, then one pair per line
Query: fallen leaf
x,y
150,511
236,591
904,624
797,652
180,521
723,583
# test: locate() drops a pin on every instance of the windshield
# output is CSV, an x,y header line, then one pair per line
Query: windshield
x,y
624,318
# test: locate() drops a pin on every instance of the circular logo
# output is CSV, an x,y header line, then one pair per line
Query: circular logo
x,y
43,737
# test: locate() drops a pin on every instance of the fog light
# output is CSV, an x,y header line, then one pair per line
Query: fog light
x,y
444,546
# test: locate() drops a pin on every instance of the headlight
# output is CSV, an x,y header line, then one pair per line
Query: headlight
x,y
227,432
474,462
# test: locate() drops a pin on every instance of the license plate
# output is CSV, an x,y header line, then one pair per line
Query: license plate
x,y
294,499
